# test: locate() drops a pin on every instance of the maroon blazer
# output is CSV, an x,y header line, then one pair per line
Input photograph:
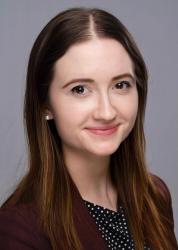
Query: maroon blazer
x,y
19,228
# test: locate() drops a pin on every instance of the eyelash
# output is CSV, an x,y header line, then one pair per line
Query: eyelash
x,y
73,90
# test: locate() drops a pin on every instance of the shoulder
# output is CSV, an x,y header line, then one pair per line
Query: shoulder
x,y
19,228
165,206
161,187
163,191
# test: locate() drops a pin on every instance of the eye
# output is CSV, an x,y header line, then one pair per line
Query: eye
x,y
79,90
123,85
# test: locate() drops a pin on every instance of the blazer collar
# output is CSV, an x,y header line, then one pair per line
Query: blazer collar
x,y
87,229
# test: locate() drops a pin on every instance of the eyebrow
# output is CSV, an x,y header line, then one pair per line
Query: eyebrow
x,y
89,80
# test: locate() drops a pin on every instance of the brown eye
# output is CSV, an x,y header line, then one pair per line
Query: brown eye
x,y
78,89
123,85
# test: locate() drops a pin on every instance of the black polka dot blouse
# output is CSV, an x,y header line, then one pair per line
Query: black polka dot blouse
x,y
113,227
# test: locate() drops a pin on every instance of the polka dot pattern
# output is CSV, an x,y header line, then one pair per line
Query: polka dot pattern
x,y
113,227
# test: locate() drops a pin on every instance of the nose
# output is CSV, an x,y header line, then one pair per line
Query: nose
x,y
104,109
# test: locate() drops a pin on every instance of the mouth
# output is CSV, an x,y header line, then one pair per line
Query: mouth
x,y
103,131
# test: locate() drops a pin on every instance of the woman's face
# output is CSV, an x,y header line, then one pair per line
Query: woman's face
x,y
93,97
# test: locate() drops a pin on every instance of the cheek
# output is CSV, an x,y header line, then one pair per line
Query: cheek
x,y
133,109
129,111
68,116
128,107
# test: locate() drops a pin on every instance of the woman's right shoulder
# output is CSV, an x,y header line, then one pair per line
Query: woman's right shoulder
x,y
20,228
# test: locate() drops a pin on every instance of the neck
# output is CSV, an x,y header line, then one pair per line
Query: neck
x,y
91,175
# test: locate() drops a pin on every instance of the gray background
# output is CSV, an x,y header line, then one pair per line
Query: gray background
x,y
154,25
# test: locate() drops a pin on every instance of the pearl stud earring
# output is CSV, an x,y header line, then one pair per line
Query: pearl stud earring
x,y
47,117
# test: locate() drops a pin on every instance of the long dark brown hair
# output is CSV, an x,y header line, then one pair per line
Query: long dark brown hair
x,y
47,182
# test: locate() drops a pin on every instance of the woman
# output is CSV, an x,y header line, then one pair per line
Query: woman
x,y
87,186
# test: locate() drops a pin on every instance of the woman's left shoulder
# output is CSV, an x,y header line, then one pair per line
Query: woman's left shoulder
x,y
165,204
161,186
163,190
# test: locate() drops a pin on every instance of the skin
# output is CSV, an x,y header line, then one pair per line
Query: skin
x,y
101,102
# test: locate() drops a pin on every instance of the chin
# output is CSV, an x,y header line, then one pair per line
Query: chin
x,y
105,152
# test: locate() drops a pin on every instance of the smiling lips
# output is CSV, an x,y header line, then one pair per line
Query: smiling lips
x,y
104,130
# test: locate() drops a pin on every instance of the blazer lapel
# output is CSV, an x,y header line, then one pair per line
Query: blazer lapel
x,y
88,232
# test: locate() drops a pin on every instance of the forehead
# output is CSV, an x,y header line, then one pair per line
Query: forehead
x,y
97,57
